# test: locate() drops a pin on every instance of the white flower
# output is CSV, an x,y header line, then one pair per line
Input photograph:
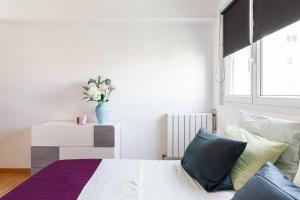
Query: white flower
x,y
97,97
91,91
94,93
98,89
103,87
92,84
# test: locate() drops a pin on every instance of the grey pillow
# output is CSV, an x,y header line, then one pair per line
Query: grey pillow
x,y
279,130
268,184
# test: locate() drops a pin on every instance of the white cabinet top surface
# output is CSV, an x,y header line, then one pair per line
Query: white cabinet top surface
x,y
73,123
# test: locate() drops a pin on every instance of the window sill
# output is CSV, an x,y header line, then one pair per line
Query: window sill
x,y
238,99
286,102
264,107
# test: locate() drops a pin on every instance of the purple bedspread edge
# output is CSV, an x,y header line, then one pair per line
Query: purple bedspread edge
x,y
61,180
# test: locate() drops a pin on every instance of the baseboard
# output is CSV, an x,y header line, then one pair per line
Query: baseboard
x,y
171,158
15,170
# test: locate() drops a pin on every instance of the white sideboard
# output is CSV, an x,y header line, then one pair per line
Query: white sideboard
x,y
62,140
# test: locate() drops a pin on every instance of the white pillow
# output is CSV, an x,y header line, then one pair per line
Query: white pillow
x,y
277,130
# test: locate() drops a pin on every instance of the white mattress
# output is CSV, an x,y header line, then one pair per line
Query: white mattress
x,y
222,195
145,180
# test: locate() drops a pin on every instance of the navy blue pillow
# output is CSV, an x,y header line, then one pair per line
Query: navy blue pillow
x,y
268,184
209,158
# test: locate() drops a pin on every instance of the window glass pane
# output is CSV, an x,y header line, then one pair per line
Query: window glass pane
x,y
281,62
239,73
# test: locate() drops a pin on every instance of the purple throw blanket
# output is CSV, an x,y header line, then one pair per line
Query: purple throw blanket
x,y
61,180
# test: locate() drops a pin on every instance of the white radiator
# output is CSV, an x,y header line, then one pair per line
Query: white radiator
x,y
182,128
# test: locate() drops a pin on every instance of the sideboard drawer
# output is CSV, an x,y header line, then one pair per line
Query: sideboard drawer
x,y
104,136
41,156
85,153
72,136
44,136
62,135
35,170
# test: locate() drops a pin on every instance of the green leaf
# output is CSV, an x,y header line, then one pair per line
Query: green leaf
x,y
86,88
99,80
92,81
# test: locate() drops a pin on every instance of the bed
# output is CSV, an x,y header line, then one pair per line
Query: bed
x,y
91,179
117,179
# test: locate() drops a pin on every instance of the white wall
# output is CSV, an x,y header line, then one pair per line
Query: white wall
x,y
156,66
229,113
93,9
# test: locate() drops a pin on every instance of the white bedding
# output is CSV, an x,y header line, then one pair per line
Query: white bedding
x,y
145,180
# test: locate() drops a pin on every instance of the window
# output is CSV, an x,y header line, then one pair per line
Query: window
x,y
280,63
273,78
239,73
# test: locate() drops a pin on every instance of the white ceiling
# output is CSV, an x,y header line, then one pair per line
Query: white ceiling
x,y
95,9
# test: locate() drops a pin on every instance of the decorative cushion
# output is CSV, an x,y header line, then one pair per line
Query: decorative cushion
x,y
258,151
209,158
277,130
268,184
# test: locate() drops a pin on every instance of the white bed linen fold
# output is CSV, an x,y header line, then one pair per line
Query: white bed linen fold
x,y
142,180
114,180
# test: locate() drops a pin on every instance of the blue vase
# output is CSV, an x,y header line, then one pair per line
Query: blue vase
x,y
102,113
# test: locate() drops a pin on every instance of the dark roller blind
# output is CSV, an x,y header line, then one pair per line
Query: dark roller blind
x,y
236,26
272,15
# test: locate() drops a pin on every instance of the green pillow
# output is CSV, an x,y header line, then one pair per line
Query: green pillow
x,y
258,151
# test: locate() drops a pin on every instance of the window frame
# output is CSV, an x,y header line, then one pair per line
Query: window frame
x,y
272,100
237,98
256,97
